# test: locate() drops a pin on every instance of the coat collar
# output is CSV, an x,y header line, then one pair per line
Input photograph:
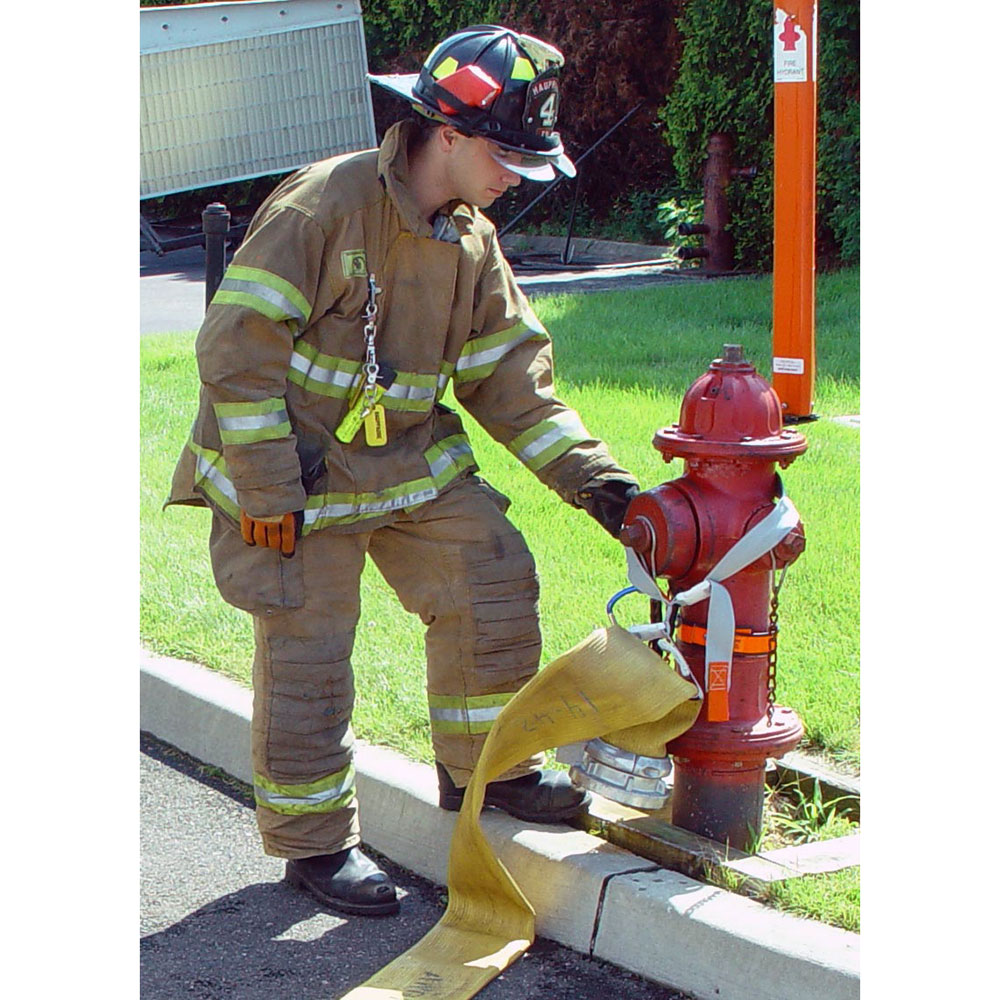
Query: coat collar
x,y
394,171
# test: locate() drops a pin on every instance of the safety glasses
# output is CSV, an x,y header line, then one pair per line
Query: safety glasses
x,y
535,168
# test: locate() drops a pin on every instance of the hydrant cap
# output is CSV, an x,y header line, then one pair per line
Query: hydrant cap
x,y
730,411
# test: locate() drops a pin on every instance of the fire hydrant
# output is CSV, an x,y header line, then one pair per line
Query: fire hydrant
x,y
695,532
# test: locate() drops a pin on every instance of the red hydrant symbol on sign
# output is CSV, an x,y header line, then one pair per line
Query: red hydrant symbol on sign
x,y
790,33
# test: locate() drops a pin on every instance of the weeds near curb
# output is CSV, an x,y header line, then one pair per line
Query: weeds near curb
x,y
811,817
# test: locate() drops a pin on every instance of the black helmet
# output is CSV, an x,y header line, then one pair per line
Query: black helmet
x,y
491,81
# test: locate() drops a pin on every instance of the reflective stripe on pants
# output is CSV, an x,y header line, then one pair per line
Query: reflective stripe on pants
x,y
458,563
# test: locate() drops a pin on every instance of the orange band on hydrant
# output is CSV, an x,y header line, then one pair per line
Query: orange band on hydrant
x,y
744,641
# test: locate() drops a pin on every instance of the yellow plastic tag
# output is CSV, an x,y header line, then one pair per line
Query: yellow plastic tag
x,y
357,414
351,424
375,432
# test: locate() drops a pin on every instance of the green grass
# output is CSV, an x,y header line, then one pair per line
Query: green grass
x,y
833,898
792,818
624,361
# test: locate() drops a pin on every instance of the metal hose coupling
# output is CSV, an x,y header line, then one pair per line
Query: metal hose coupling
x,y
627,778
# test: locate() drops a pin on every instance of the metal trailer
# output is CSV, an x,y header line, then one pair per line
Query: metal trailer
x,y
232,91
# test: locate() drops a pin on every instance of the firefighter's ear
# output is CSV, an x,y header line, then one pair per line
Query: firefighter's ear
x,y
448,137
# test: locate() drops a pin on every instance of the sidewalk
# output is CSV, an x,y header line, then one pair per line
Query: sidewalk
x,y
591,896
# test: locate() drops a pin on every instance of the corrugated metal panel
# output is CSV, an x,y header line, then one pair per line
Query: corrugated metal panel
x,y
272,100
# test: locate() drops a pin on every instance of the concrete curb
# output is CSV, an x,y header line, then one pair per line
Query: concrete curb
x,y
591,896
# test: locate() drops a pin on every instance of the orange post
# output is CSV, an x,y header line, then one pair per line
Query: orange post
x,y
794,344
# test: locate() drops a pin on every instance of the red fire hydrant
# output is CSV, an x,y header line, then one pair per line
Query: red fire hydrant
x,y
695,531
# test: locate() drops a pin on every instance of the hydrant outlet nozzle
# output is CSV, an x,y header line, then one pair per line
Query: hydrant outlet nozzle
x,y
636,536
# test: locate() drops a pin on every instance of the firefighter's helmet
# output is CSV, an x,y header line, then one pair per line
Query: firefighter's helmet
x,y
492,82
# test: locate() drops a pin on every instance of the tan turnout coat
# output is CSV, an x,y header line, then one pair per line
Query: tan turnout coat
x,y
282,345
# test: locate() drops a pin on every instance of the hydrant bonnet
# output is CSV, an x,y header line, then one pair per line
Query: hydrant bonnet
x,y
730,411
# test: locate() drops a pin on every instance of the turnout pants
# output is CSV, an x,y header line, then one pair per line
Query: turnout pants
x,y
455,561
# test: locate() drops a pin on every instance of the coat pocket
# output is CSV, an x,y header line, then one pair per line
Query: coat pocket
x,y
253,578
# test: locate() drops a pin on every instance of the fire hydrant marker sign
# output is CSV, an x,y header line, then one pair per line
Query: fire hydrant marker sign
x,y
790,41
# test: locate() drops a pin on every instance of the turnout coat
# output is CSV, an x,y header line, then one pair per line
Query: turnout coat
x,y
281,349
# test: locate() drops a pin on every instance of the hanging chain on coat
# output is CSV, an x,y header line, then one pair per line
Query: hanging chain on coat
x,y
370,367
772,649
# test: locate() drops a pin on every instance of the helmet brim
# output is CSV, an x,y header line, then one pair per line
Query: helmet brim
x,y
401,84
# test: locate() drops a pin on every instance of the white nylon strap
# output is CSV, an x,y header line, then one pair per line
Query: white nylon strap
x,y
761,538
657,632
639,577
721,631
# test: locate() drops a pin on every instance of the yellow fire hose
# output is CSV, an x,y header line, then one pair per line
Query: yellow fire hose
x,y
611,685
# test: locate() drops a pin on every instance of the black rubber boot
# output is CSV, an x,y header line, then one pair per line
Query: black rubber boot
x,y
347,881
538,797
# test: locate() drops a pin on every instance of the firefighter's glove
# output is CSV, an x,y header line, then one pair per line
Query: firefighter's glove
x,y
277,532
606,501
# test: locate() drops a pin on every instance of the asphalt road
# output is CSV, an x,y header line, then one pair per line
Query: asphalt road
x,y
216,919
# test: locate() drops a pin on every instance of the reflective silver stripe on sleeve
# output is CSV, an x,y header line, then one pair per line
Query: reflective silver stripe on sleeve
x,y
448,458
214,476
327,376
491,355
400,391
253,423
567,424
260,291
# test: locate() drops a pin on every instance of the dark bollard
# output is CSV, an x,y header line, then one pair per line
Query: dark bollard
x,y
718,250
215,225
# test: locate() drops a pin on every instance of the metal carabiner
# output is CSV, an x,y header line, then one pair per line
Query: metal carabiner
x,y
615,599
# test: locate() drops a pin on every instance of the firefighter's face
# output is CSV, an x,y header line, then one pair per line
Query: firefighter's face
x,y
476,176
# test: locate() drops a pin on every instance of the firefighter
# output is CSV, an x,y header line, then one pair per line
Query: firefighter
x,y
366,285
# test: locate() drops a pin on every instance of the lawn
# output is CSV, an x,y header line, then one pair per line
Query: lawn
x,y
624,360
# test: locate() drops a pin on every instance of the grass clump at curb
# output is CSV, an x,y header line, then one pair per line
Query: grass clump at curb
x,y
792,818
832,898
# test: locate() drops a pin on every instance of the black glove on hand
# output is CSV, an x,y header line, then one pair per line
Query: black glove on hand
x,y
606,501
